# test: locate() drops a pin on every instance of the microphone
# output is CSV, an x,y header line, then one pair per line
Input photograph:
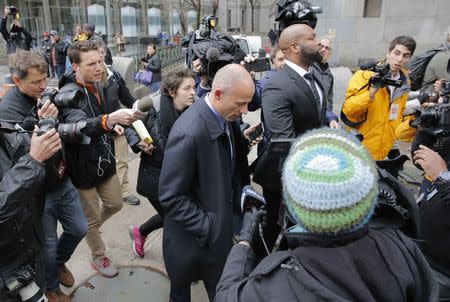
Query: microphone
x,y
143,104
368,65
212,54
139,126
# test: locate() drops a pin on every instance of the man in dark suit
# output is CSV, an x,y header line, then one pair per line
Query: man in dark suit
x,y
294,100
204,167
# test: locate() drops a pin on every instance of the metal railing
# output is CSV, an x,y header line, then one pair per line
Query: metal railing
x,y
169,55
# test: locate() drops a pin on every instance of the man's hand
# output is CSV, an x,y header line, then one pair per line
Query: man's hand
x,y
48,110
119,130
372,92
147,148
196,65
334,124
250,225
123,117
430,161
44,146
249,131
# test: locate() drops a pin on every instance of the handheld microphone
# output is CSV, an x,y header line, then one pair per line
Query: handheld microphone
x,y
143,104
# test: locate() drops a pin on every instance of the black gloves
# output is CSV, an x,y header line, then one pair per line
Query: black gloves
x,y
249,231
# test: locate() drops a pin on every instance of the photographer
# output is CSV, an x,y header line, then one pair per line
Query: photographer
x,y
330,191
374,108
22,175
62,202
14,39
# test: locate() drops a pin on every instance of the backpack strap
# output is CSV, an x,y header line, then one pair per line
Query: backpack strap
x,y
345,119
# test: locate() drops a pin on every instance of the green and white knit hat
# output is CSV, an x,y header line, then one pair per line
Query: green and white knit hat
x,y
329,182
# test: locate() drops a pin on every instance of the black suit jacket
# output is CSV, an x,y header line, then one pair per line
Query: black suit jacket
x,y
289,105
289,109
196,189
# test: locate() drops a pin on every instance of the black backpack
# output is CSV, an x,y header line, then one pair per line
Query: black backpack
x,y
418,65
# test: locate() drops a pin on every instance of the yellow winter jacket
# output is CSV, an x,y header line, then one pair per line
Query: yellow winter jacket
x,y
378,130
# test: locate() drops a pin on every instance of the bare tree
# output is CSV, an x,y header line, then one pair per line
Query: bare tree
x,y
252,6
197,6
181,15
215,6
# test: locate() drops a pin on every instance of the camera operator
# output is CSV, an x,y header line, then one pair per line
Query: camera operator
x,y
330,191
375,108
22,174
92,167
62,202
14,39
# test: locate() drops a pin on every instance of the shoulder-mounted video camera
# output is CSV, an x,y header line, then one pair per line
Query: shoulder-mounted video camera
x,y
435,120
383,74
291,12
13,12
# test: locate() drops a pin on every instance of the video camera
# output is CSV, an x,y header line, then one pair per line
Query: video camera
x,y
294,12
435,120
383,74
68,99
214,49
69,133
13,12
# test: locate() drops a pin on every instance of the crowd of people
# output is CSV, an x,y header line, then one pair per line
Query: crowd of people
x,y
64,159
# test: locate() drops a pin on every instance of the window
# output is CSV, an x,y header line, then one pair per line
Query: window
x,y
191,20
129,27
176,23
372,8
154,21
96,15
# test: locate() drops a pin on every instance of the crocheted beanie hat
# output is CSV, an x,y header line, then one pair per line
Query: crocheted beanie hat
x,y
329,182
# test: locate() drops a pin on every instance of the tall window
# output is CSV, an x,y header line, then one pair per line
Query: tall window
x,y
229,18
176,24
154,21
372,8
96,15
191,20
129,27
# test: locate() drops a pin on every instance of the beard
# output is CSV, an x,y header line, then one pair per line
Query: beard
x,y
310,56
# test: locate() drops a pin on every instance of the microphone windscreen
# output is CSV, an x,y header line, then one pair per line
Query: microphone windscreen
x,y
212,54
28,123
143,104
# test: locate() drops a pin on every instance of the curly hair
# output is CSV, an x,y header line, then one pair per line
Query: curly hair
x,y
75,50
173,80
21,61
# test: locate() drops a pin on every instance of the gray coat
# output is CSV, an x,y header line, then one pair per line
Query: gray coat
x,y
196,187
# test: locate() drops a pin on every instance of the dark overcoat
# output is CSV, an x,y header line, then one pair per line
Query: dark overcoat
x,y
197,182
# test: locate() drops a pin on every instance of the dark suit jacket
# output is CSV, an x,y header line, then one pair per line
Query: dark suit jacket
x,y
289,109
288,105
197,182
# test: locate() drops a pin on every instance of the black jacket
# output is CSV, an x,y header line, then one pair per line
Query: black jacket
x,y
378,265
18,37
117,92
21,203
196,190
435,213
150,165
16,106
60,52
88,165
155,66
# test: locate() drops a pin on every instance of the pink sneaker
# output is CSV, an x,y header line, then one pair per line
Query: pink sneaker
x,y
137,239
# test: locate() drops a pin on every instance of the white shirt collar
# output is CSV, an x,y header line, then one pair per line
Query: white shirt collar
x,y
296,68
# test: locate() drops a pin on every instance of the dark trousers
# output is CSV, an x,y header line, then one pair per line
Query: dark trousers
x,y
155,222
60,70
182,292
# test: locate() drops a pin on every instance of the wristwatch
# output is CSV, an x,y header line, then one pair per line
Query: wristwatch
x,y
444,176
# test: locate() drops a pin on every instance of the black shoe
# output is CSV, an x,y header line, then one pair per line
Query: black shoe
x,y
132,200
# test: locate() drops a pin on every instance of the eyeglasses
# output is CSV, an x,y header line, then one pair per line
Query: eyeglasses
x,y
326,47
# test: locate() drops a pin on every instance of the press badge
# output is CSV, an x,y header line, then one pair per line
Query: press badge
x,y
393,114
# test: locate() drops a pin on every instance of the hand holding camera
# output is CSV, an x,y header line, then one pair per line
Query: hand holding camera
x,y
48,109
250,226
45,145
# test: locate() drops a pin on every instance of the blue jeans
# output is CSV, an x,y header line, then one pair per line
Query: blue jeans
x,y
60,70
61,205
155,86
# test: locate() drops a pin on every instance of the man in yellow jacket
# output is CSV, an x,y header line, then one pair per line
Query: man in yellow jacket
x,y
376,109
